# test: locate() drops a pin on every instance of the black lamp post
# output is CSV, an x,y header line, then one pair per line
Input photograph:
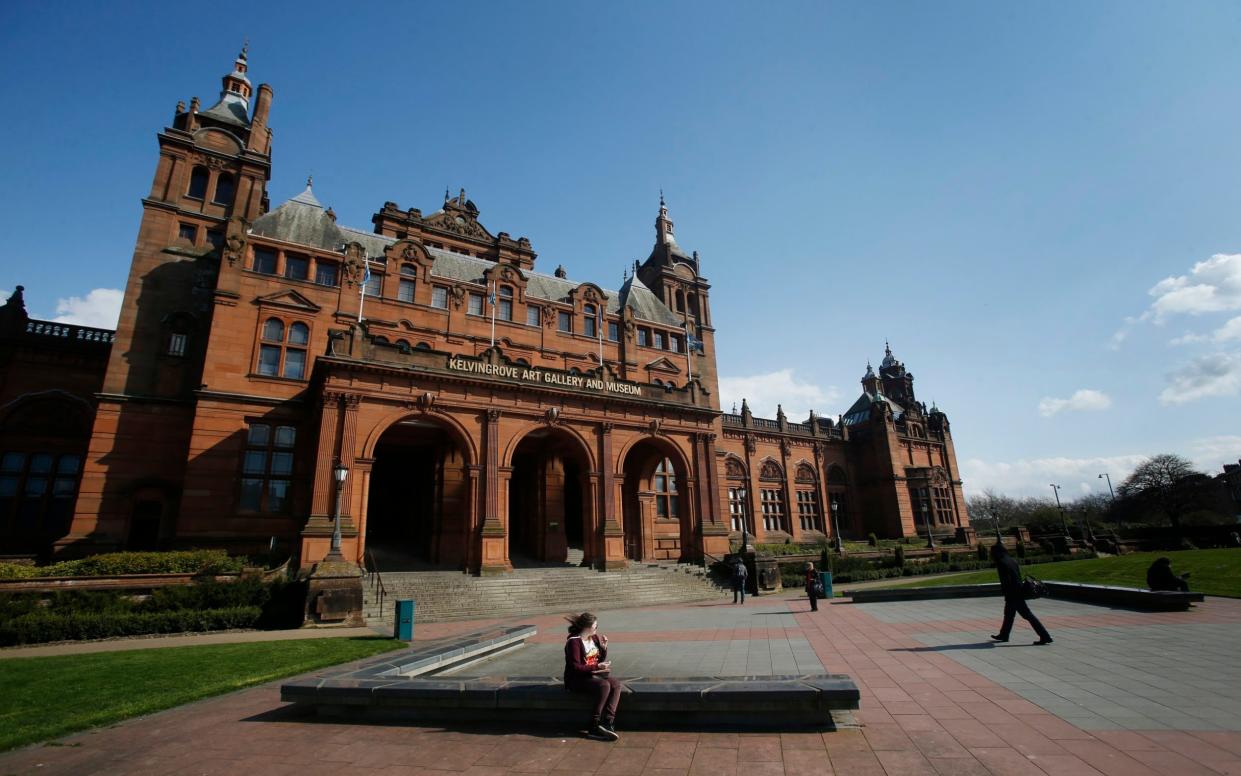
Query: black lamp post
x,y
339,473
840,545
1064,523
926,518
1089,528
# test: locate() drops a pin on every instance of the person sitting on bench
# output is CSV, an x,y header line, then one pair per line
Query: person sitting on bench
x,y
587,671
1160,577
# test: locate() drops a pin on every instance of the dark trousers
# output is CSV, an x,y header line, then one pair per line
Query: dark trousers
x,y
1014,606
739,590
814,599
606,692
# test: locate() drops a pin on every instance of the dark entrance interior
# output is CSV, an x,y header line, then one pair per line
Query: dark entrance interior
x,y
416,507
546,501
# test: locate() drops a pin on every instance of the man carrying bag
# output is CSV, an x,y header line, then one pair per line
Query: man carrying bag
x,y
1014,591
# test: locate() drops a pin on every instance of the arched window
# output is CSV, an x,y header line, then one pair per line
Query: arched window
x,y
198,183
422,346
590,323
505,310
680,301
405,290
402,345
225,189
281,357
666,495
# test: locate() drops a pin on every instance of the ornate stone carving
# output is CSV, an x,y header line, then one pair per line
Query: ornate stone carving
x,y
770,471
734,469
353,400
458,296
656,427
493,416
354,266
234,247
425,402
549,317
804,473
750,445
552,416
607,426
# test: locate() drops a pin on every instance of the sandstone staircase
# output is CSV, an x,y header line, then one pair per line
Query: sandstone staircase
x,y
451,595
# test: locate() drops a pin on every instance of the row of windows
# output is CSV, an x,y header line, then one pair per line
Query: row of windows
x,y
771,502
297,266
36,496
267,468
225,186
215,237
282,351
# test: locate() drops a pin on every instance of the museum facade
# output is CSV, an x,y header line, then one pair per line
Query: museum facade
x,y
460,409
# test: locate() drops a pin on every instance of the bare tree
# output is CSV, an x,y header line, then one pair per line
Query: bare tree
x,y
1168,481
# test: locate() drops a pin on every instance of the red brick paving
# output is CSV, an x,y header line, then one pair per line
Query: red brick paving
x,y
922,713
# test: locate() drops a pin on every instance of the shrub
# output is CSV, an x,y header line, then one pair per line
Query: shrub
x,y
39,627
981,551
1021,547
118,563
899,555
945,556
872,539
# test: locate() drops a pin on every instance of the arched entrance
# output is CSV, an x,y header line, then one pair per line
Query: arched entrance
x,y
656,504
550,519
418,502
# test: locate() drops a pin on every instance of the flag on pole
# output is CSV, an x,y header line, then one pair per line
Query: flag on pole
x,y
366,278
491,299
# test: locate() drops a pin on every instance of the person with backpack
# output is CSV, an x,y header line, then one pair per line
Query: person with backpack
x,y
1014,596
739,577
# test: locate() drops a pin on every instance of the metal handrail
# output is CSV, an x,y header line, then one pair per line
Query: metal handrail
x,y
373,578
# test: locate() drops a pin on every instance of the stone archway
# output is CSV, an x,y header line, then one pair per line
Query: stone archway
x,y
656,502
551,499
418,498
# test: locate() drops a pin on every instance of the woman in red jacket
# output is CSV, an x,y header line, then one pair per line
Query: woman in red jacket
x,y
586,670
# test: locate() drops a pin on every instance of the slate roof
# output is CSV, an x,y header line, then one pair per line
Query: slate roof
x,y
231,109
303,221
860,411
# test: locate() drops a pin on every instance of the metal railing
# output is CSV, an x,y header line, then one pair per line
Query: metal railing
x,y
374,580
70,331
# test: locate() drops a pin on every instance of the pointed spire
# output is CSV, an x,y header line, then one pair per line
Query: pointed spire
x,y
663,224
310,182
446,195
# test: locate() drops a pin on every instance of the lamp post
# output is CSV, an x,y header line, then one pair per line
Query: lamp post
x,y
1063,522
1108,477
339,473
840,545
930,537
1089,528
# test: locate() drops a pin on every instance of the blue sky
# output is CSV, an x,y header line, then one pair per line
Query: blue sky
x,y
1025,199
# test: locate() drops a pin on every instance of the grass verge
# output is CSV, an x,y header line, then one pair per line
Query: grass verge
x,y
47,697
1214,572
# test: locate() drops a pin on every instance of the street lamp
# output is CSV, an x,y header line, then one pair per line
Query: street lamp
x,y
930,537
339,473
840,545
1063,522
1089,528
1108,477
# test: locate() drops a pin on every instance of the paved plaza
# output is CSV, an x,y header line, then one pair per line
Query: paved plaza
x,y
1120,692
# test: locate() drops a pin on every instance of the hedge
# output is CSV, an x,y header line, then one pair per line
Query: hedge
x,y
37,627
852,573
119,563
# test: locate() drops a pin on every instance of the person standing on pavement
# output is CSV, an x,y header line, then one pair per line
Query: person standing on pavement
x,y
1014,599
587,670
812,581
739,577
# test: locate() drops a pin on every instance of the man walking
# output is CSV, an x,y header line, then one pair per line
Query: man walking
x,y
740,575
1014,600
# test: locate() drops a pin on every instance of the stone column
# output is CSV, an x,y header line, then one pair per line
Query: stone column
x,y
712,526
494,538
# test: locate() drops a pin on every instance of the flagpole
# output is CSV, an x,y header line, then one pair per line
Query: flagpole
x,y
362,290
689,354
600,322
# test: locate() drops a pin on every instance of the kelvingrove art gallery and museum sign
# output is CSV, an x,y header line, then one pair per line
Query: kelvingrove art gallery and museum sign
x,y
529,374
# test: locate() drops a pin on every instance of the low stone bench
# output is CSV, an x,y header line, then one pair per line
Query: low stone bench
x,y
410,686
1103,595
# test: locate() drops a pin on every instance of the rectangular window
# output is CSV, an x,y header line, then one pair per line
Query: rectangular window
x,y
267,468
269,360
659,340
505,313
405,291
294,363
613,331
327,273
808,510
475,304
773,509
265,261
215,238
532,316
176,344
674,343
439,297
590,326
296,266
644,337
374,286
736,509
564,321
188,232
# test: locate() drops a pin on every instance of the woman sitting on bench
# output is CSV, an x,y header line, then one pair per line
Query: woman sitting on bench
x,y
587,669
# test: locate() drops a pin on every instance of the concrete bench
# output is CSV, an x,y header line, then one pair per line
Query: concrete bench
x,y
410,685
1103,595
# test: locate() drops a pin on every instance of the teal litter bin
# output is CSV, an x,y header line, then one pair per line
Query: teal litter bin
x,y
827,583
404,626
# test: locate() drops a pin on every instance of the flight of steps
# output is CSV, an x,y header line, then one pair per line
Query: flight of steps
x,y
451,595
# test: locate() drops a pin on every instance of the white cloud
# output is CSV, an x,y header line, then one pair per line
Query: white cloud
x,y
1083,400
100,308
1209,454
765,391
1188,338
1216,374
1229,331
1211,286
1032,477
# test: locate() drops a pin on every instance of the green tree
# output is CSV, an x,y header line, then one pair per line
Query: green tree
x,y
1168,482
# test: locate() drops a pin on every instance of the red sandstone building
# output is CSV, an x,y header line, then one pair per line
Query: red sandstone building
x,y
484,411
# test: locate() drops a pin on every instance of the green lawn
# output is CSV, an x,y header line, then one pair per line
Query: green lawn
x,y
47,697
1214,572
